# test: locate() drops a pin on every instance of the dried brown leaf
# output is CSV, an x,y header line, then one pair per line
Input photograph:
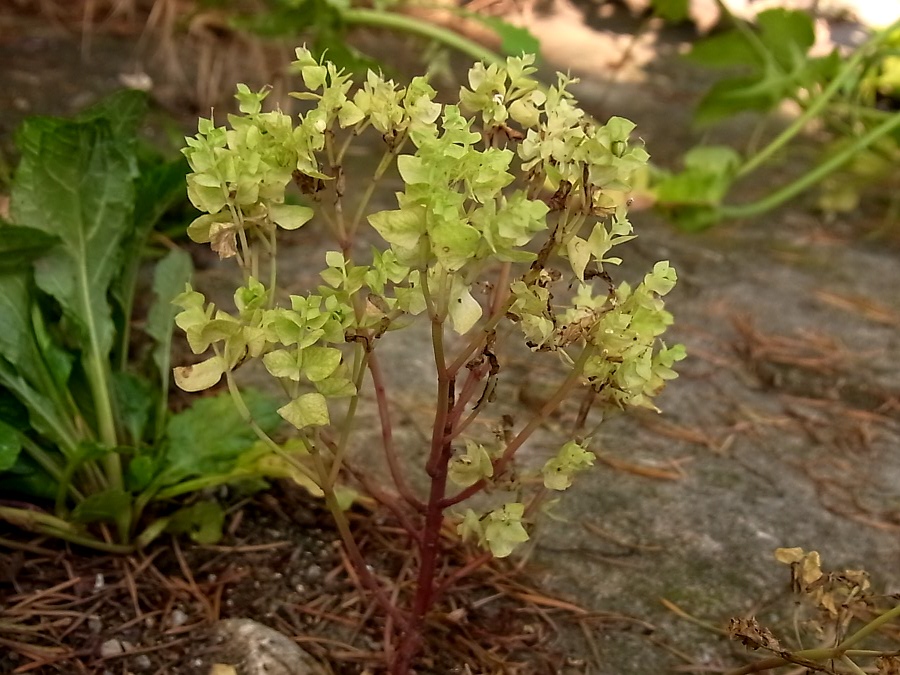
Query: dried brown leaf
x,y
751,634
888,665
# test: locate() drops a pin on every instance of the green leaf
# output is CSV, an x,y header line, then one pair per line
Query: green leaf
x,y
140,472
308,410
201,375
10,446
289,216
503,529
514,40
171,275
729,97
26,477
20,246
124,110
135,400
109,506
31,379
675,11
454,243
202,522
402,228
42,414
465,311
336,387
775,59
474,465
320,362
17,340
12,411
75,182
158,187
211,435
709,172
725,50
713,158
788,34
283,363
572,458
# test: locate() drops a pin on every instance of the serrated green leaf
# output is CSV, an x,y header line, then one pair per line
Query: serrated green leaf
x,y
170,277
202,522
158,187
195,446
31,379
124,110
75,182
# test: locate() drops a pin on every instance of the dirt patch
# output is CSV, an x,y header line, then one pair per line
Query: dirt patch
x,y
70,611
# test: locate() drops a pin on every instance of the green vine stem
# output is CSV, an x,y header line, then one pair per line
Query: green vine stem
x,y
407,24
811,178
818,103
870,628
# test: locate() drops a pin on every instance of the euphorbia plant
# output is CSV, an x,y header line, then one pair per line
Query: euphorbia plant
x,y
512,202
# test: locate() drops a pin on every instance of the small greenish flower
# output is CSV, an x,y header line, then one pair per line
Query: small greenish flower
x,y
471,467
503,529
572,458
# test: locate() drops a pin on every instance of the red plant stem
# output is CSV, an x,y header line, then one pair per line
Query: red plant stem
x,y
501,289
437,467
500,464
470,386
434,519
387,435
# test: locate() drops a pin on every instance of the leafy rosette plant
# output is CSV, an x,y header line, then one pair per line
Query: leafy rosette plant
x,y
89,450
511,199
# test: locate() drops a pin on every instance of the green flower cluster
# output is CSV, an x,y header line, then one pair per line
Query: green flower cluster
x,y
514,174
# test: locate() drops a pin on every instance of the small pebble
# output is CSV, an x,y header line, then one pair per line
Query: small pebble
x,y
143,662
95,624
178,618
111,648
